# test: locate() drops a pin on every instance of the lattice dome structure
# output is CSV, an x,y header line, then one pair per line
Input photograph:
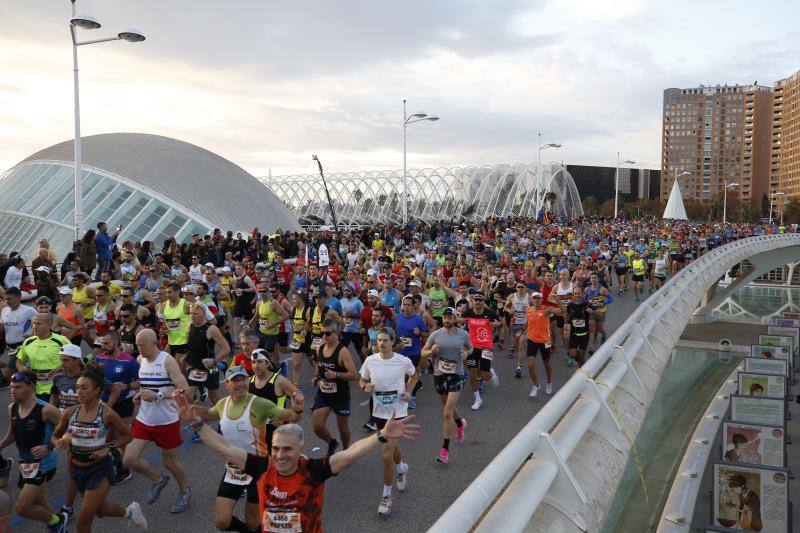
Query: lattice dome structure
x,y
474,193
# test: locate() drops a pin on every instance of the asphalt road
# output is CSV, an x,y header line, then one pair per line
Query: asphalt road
x,y
351,499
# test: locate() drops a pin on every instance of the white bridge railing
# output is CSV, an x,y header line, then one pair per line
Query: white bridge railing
x,y
572,453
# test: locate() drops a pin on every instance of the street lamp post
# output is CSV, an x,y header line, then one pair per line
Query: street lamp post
x,y
725,199
410,119
616,183
772,197
86,22
544,147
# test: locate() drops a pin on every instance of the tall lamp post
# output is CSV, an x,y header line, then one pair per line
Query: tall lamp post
x,y
725,199
314,157
772,197
545,147
87,22
410,119
616,183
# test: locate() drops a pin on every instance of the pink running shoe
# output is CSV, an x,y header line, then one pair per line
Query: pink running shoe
x,y
460,431
443,456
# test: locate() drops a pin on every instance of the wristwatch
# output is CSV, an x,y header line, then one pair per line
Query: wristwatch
x,y
160,395
197,424
381,437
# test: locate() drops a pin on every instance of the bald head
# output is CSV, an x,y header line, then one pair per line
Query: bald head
x,y
147,342
41,324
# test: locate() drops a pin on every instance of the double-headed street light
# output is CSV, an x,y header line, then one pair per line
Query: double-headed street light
x,y
725,199
410,119
772,197
616,183
87,22
545,147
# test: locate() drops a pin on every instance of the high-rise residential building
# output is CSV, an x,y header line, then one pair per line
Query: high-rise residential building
x,y
785,158
718,136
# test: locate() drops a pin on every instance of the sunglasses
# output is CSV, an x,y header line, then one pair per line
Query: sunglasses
x,y
327,333
21,378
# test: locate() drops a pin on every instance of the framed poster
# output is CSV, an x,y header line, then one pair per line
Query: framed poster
x,y
778,367
770,352
776,340
791,332
757,384
751,497
758,409
784,322
756,444
790,314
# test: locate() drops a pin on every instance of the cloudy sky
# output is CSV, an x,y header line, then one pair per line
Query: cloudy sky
x,y
268,83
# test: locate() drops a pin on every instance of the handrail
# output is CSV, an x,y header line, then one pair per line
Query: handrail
x,y
679,507
520,470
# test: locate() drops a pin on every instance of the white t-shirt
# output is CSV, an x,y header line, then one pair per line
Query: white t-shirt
x,y
389,378
17,322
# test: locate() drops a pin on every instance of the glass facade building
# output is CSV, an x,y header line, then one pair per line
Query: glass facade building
x,y
154,187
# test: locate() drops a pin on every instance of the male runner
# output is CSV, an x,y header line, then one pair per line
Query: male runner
x,y
42,353
15,325
157,420
578,313
410,328
383,375
539,341
201,360
480,325
450,346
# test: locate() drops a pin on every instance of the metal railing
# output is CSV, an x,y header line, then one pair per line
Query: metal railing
x,y
533,468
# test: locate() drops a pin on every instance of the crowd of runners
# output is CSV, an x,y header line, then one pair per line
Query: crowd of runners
x,y
104,359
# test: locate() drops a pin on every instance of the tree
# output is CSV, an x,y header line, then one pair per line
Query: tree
x,y
791,211
590,206
607,208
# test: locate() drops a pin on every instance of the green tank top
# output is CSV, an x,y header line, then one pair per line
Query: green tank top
x,y
177,323
438,300
268,315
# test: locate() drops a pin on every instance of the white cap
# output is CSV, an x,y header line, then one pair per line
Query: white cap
x,y
65,290
536,294
373,292
70,350
415,283
209,264
226,269
371,272
412,260
43,268
189,288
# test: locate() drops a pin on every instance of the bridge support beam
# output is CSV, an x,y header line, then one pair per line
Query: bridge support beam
x,y
762,263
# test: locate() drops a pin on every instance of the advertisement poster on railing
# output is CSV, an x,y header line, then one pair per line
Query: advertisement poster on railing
x,y
776,340
784,322
756,384
758,409
792,332
772,352
778,367
751,498
790,314
753,443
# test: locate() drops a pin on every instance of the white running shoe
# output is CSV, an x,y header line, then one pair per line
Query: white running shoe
x,y
385,507
137,517
477,405
548,388
402,480
495,381
534,391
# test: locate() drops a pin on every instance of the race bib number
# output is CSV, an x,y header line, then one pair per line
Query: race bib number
x,y
578,323
198,375
406,341
295,346
328,387
547,345
13,351
84,432
386,397
316,343
42,377
348,321
264,323
234,476
437,304
487,354
447,367
29,470
282,522
173,324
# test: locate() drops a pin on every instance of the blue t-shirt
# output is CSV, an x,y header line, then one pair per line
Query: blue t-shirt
x,y
405,332
334,304
351,311
391,299
123,368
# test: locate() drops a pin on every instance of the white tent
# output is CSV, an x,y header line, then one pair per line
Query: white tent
x,y
675,207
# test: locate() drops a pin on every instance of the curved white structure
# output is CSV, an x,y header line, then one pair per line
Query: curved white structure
x,y
474,193
560,473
